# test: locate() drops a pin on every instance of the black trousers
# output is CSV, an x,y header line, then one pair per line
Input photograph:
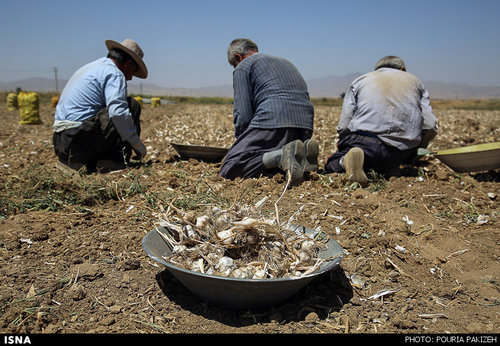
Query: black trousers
x,y
96,139
244,158
378,155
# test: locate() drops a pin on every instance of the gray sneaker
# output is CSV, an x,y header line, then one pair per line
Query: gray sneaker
x,y
311,151
353,164
291,161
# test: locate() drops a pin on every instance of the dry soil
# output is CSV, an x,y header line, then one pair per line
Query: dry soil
x,y
71,259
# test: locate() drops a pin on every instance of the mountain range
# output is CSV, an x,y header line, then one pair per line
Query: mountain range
x,y
329,87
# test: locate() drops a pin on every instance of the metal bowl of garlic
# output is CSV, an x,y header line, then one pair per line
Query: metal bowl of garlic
x,y
238,293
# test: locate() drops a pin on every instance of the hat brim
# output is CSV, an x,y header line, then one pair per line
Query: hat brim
x,y
142,71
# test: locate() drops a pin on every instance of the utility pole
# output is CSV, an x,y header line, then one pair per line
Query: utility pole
x,y
55,73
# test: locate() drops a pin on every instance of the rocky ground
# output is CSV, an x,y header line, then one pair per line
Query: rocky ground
x,y
71,259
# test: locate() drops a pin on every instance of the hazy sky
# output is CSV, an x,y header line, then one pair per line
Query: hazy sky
x,y
185,41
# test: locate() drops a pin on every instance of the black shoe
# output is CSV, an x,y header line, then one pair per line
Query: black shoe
x,y
106,166
291,161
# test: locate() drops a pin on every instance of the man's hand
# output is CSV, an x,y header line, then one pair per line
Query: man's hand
x,y
140,151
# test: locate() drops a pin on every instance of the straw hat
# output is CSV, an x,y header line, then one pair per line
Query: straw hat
x,y
131,48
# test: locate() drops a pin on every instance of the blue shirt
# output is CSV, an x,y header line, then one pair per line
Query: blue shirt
x,y
95,86
391,104
269,93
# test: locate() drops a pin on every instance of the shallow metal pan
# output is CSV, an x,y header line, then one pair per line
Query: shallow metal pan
x,y
239,293
474,158
199,152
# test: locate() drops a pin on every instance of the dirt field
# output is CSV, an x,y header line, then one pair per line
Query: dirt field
x,y
71,259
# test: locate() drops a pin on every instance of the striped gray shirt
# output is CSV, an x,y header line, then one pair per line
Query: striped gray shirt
x,y
269,93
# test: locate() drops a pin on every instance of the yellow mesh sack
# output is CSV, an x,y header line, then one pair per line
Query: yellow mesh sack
x,y
12,104
155,102
53,101
138,99
29,108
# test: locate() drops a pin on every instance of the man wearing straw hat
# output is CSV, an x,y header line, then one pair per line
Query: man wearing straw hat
x,y
96,125
273,117
386,116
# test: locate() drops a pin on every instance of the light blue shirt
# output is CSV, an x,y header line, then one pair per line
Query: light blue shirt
x,y
391,104
95,86
269,93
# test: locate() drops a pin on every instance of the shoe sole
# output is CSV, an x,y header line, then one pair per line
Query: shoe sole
x,y
293,155
353,163
67,170
311,148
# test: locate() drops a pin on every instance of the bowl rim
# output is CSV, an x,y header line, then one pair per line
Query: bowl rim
x,y
472,149
196,147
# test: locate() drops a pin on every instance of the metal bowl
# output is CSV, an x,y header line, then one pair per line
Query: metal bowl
x,y
239,293
474,158
199,152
